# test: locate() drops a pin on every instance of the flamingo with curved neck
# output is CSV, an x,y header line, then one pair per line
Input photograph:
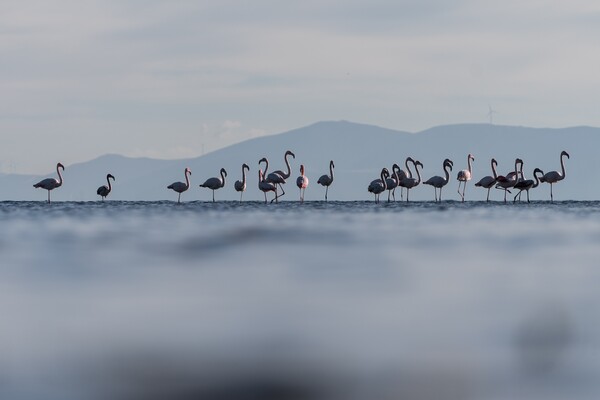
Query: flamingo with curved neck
x,y
379,185
104,191
527,184
506,182
327,180
438,182
554,176
410,183
51,183
488,182
181,187
464,176
240,186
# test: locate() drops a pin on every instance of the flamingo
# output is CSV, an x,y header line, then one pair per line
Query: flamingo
x,y
439,182
392,181
379,185
410,183
554,176
181,187
327,180
278,177
488,182
464,176
510,180
527,184
240,186
215,183
104,190
51,183
402,174
302,183
265,186
264,175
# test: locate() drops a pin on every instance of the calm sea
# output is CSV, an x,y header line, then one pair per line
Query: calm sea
x,y
339,300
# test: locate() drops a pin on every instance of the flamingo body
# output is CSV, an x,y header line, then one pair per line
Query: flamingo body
x,y
438,182
240,186
302,183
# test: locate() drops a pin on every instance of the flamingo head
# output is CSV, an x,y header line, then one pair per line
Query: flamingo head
x,y
289,153
188,171
564,153
395,167
419,163
245,166
449,162
264,159
110,176
302,169
223,172
59,165
535,171
494,162
331,164
385,172
471,157
410,159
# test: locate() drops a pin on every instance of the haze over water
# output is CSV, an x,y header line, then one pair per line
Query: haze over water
x,y
339,300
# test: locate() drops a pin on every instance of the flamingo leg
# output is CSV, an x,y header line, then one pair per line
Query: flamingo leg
x,y
179,198
407,192
488,196
213,195
551,197
49,195
528,196
326,190
464,190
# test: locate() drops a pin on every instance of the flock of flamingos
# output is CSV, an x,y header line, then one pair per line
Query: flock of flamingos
x,y
274,181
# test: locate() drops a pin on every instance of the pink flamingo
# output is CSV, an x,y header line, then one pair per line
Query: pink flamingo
x,y
554,176
181,187
464,176
51,183
302,183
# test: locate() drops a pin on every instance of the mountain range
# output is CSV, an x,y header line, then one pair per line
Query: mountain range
x,y
359,152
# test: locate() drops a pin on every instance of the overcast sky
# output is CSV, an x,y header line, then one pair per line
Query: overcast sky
x,y
172,79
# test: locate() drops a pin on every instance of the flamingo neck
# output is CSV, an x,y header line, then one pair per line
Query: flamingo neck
x,y
222,178
109,185
446,166
266,167
494,171
418,173
60,178
287,164
537,180
408,173
562,166
383,180
187,179
243,175
331,171
469,163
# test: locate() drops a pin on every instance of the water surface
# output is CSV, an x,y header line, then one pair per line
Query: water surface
x,y
339,300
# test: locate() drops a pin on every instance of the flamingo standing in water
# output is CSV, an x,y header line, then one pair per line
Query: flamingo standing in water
x,y
302,183
554,176
215,183
327,180
104,190
181,187
265,186
392,181
527,184
438,182
464,176
51,183
379,185
510,180
240,186
266,180
410,183
278,177
488,182
403,174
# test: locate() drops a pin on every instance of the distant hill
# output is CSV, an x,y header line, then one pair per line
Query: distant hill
x,y
359,152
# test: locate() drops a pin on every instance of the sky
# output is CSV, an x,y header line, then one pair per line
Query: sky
x,y
177,79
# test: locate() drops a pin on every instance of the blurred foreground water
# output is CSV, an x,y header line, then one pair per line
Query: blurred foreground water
x,y
352,300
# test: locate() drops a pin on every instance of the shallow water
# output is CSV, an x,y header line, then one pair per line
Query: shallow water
x,y
346,300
